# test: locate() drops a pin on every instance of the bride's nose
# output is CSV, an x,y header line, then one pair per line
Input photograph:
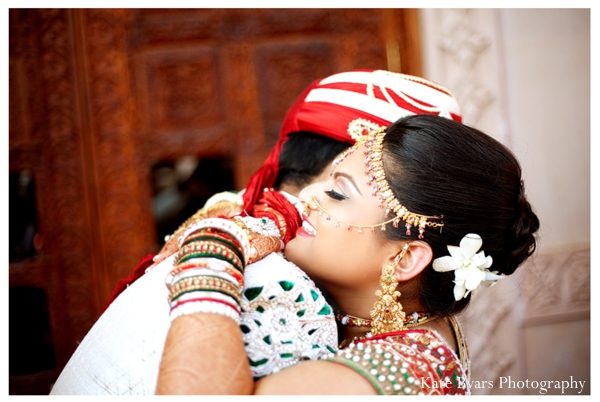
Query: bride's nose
x,y
307,193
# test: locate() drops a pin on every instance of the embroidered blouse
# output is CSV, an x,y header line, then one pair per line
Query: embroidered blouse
x,y
409,362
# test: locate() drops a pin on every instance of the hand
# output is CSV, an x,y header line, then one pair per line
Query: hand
x,y
170,247
219,209
261,246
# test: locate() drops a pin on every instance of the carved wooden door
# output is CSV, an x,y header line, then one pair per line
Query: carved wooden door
x,y
99,99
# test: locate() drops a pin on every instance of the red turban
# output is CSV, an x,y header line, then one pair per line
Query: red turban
x,y
328,106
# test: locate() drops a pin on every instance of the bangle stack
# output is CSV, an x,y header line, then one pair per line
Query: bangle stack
x,y
207,275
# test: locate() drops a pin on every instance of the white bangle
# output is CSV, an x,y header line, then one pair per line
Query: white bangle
x,y
204,307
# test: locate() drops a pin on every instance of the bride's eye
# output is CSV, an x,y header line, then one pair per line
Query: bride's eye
x,y
335,195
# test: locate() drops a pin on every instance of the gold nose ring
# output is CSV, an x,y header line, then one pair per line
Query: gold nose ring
x,y
306,209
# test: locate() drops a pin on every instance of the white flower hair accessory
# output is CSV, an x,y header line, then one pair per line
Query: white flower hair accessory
x,y
470,268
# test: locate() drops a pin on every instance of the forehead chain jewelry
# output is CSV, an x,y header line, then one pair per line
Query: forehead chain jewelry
x,y
373,153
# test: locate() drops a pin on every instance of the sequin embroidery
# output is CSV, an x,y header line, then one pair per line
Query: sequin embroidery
x,y
409,362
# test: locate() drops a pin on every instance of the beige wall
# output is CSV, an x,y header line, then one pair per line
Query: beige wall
x,y
523,76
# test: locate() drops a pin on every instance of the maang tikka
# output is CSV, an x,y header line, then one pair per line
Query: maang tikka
x,y
372,138
387,314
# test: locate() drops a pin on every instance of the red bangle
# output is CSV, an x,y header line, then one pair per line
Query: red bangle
x,y
201,299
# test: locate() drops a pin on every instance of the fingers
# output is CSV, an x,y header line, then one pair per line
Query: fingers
x,y
168,249
261,246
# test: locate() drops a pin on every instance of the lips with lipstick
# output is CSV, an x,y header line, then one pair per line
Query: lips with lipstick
x,y
306,230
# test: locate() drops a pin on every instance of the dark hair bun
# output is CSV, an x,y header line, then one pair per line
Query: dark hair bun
x,y
438,167
523,242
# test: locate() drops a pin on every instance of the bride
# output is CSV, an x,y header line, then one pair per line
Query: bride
x,y
412,220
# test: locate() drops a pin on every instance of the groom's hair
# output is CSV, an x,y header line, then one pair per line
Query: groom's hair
x,y
304,155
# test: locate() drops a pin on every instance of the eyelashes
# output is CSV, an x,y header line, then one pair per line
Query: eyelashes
x,y
335,195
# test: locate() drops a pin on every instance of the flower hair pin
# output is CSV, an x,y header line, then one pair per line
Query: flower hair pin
x,y
470,268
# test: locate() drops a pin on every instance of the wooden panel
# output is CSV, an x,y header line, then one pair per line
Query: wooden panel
x,y
68,245
284,69
155,27
245,125
99,96
184,87
181,108
44,140
124,227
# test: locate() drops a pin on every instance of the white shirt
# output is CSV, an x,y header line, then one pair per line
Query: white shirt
x,y
121,353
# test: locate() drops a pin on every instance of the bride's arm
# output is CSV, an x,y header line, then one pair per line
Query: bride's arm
x,y
315,377
204,354
204,351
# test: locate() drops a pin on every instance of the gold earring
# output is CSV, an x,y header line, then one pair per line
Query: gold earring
x,y
387,314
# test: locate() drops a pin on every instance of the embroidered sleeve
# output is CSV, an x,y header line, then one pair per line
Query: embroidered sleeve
x,y
412,363
285,318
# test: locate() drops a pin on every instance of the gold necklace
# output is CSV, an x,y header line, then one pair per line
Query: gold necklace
x,y
421,319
